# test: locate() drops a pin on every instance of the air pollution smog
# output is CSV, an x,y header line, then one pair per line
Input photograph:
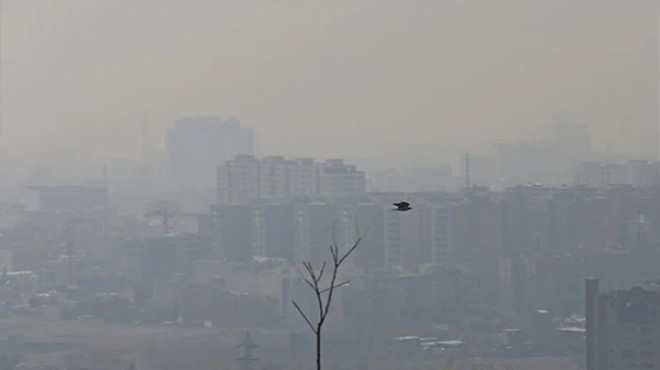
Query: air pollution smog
x,y
336,185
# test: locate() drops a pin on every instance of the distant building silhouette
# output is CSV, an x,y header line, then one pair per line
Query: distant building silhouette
x,y
68,198
573,137
197,145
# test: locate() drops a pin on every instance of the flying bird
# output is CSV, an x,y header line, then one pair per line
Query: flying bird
x,y
402,207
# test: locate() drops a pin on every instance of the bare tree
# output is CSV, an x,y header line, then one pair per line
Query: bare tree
x,y
324,294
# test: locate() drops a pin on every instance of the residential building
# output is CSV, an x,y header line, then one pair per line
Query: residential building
x,y
409,237
304,179
278,228
340,180
525,219
274,174
387,299
237,229
369,218
162,258
70,198
246,178
238,180
643,173
440,224
623,328
319,225
596,174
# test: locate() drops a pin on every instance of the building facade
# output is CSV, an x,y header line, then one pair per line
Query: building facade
x,y
623,328
246,178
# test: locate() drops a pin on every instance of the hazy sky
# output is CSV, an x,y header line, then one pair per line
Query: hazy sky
x,y
328,77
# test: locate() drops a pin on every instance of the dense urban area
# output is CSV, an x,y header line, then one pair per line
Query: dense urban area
x,y
539,255
329,185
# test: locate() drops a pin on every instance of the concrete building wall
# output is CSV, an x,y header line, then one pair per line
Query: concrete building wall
x,y
246,179
274,176
238,181
623,328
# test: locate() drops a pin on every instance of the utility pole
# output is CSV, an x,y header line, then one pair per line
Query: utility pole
x,y
247,360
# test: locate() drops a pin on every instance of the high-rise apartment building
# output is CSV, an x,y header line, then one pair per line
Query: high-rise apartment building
x,y
623,328
238,180
409,237
245,179
304,178
274,174
318,225
339,180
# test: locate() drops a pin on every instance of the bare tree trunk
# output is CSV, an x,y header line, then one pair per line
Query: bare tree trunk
x,y
324,295
318,348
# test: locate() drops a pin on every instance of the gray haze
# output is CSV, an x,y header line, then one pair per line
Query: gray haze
x,y
486,176
322,78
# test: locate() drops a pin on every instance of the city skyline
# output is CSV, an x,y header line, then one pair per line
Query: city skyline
x,y
359,185
457,75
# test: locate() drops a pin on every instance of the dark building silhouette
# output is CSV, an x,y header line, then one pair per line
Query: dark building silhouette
x,y
278,230
163,258
623,328
370,220
236,232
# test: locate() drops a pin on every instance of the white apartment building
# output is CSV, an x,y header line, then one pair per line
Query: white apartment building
x,y
238,180
304,178
273,178
340,180
246,178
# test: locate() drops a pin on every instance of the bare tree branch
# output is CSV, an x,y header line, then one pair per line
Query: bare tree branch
x,y
304,316
322,270
351,250
336,286
313,279
302,276
310,271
